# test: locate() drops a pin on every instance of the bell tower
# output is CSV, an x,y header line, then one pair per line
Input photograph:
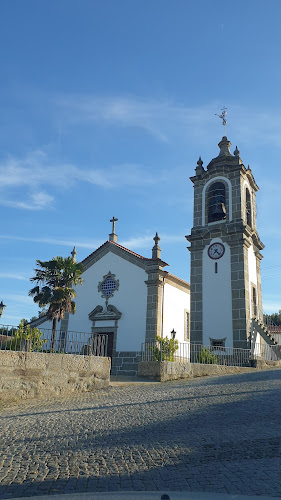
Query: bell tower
x,y
225,252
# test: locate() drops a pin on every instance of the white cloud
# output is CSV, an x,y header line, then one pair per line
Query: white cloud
x,y
18,298
167,119
147,241
90,244
13,276
40,177
36,173
160,118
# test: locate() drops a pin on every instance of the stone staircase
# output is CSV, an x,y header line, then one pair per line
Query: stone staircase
x,y
271,351
261,328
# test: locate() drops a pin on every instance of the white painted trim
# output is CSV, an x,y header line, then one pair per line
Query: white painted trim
x,y
216,222
214,179
247,185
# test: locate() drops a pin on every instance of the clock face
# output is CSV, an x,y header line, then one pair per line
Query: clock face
x,y
216,250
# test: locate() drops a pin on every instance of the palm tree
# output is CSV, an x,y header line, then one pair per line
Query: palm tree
x,y
55,279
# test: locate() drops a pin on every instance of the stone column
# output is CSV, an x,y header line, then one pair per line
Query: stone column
x,y
196,302
155,288
259,293
240,294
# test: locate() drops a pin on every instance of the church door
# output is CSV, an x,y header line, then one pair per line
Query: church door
x,y
109,344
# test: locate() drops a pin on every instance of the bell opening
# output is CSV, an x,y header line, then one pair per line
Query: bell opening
x,y
216,202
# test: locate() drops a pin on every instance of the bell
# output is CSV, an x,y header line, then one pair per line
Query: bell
x,y
218,211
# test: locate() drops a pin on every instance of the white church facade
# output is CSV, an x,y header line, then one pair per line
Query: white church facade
x,y
129,298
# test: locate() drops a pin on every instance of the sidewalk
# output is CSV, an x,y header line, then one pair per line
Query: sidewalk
x,y
116,380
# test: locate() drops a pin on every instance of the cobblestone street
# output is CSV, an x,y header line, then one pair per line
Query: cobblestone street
x,y
219,434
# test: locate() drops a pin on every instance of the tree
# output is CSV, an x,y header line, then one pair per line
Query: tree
x,y
55,279
275,318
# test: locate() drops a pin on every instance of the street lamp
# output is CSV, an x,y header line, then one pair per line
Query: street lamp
x,y
2,307
173,333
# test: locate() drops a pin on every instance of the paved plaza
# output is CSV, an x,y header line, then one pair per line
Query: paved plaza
x,y
213,434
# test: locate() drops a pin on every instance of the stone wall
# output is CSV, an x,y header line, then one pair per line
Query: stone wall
x,y
126,363
167,370
36,374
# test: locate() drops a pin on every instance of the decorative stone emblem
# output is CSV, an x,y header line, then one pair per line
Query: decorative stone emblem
x,y
108,286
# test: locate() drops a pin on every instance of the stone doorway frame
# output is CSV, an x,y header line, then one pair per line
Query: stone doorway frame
x,y
110,314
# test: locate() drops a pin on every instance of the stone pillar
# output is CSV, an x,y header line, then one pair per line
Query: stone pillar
x,y
155,288
240,294
259,293
196,303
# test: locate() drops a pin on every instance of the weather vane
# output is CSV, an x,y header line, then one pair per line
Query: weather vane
x,y
222,116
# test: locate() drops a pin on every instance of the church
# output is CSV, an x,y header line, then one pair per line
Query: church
x,y
129,298
133,299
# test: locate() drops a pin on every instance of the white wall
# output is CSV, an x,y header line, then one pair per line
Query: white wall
x,y
252,270
130,299
256,343
217,297
175,303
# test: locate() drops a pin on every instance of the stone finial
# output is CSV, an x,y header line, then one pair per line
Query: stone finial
x,y
224,146
200,162
74,253
156,250
236,152
113,236
199,169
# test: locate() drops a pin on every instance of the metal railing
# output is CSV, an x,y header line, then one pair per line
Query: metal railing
x,y
268,321
161,351
276,336
197,353
266,352
42,340
219,355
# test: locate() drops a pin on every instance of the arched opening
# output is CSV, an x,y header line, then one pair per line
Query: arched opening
x,y
254,302
248,208
216,202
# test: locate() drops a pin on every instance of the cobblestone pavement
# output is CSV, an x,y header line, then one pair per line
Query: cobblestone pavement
x,y
219,434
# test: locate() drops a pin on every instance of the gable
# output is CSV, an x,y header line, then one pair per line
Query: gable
x,y
122,252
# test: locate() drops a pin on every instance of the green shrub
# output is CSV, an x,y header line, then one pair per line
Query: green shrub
x,y
24,337
165,349
206,357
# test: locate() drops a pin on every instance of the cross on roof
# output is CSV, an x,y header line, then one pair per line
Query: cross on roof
x,y
73,253
113,220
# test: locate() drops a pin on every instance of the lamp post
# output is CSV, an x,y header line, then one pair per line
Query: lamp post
x,y
2,307
173,334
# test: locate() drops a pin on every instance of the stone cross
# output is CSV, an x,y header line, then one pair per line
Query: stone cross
x,y
74,253
113,220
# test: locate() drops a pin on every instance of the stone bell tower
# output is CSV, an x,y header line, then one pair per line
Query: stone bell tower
x,y
225,252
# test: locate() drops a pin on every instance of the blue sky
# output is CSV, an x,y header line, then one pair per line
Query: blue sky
x,y
105,108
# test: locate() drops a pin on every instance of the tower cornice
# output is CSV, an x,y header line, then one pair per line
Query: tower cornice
x,y
225,168
225,230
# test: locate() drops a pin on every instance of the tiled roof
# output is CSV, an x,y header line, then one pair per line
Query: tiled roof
x,y
126,250
274,328
177,278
